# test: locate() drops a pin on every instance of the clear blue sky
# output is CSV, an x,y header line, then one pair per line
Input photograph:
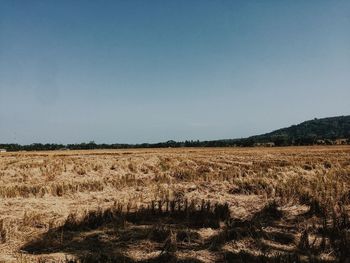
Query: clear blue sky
x,y
149,71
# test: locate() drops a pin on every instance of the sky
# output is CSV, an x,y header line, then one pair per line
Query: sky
x,y
149,71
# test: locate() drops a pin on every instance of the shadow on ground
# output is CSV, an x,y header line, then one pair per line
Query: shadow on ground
x,y
168,231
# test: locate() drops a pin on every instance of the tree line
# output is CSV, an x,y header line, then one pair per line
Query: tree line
x,y
246,142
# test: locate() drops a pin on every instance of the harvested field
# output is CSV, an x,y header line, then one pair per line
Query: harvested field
x,y
178,205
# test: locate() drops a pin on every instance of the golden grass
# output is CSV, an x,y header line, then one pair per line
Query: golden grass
x,y
185,205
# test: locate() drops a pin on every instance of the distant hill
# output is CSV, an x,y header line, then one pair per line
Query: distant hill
x,y
317,131
308,132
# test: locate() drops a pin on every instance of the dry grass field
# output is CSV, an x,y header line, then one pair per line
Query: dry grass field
x,y
176,205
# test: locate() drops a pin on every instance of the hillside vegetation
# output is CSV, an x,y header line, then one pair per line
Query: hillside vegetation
x,y
308,132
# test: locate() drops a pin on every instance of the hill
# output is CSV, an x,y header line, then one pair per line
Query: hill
x,y
308,132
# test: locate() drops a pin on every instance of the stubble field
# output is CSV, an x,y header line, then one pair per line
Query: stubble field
x,y
176,205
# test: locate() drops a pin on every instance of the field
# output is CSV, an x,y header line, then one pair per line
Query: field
x,y
176,205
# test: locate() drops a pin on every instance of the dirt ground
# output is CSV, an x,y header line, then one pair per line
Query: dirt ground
x,y
177,205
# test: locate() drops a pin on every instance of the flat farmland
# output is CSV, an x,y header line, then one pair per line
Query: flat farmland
x,y
177,205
